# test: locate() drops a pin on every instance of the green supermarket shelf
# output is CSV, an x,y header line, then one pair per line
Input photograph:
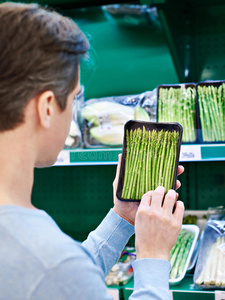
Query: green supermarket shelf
x,y
185,290
109,156
84,157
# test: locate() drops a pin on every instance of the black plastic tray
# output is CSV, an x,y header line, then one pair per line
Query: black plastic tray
x,y
215,83
173,126
180,86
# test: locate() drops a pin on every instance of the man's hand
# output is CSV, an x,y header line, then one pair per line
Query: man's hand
x,y
157,224
125,209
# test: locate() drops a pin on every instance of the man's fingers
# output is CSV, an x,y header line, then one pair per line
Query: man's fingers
x,y
178,184
146,199
179,211
157,197
118,169
169,201
180,170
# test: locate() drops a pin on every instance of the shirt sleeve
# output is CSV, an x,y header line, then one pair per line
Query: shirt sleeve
x,y
151,279
108,240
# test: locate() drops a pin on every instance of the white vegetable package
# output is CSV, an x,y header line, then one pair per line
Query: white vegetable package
x,y
104,118
210,268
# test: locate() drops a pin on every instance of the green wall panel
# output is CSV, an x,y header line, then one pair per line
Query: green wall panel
x,y
77,198
123,59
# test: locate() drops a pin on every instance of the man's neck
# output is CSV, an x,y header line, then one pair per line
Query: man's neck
x,y
16,169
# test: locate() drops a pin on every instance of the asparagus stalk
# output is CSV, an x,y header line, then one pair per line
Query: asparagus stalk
x,y
148,162
162,161
134,165
129,140
159,157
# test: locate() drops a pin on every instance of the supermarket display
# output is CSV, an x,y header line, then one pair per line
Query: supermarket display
x,y
176,103
182,253
209,271
104,118
198,107
211,101
122,271
74,138
149,159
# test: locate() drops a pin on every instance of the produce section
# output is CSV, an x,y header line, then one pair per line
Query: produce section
x,y
197,190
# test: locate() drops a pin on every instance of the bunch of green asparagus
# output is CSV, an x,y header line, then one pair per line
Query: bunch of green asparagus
x,y
150,161
178,105
212,273
211,101
179,253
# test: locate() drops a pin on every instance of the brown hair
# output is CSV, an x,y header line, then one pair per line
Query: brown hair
x,y
39,50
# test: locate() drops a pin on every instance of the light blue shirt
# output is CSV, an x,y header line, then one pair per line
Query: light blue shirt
x,y
39,262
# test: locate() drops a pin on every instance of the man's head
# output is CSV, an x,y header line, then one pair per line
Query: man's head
x,y
39,51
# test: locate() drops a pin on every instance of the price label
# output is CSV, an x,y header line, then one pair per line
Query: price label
x,y
171,295
190,153
219,295
114,293
63,158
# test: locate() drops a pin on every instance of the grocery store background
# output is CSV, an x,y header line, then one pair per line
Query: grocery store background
x,y
183,41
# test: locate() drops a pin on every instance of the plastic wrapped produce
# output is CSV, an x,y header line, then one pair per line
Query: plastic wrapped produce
x,y
177,103
104,118
210,268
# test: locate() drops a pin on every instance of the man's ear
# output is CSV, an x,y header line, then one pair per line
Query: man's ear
x,y
45,108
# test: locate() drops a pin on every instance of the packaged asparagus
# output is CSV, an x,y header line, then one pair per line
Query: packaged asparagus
x,y
211,107
210,269
181,253
177,103
74,138
150,158
104,118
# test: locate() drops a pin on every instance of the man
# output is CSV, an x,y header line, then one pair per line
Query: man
x,y
39,75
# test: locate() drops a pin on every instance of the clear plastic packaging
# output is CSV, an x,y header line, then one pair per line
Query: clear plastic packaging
x,y
103,119
177,103
182,255
122,271
74,138
210,269
211,110
150,158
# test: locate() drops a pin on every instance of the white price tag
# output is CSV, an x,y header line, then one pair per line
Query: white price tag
x,y
63,158
171,295
114,293
219,295
104,121
190,153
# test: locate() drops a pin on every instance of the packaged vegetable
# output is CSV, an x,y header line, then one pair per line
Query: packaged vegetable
x,y
122,271
211,103
149,158
177,103
74,139
210,268
104,118
182,251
